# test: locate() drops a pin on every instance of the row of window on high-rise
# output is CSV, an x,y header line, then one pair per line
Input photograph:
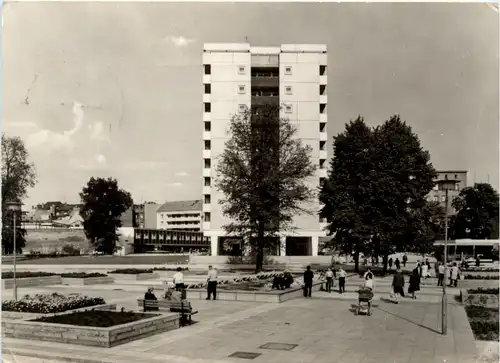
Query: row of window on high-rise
x,y
207,70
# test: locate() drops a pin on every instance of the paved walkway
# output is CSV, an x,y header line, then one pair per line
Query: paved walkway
x,y
324,331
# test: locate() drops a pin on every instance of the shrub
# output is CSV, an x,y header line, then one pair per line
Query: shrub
x,y
479,277
82,275
50,303
131,271
486,291
69,250
26,274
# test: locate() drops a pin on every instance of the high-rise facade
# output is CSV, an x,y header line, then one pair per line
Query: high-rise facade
x,y
237,76
436,195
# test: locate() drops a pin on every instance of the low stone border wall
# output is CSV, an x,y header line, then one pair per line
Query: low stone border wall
x,y
87,281
135,277
486,300
15,315
274,296
32,281
91,336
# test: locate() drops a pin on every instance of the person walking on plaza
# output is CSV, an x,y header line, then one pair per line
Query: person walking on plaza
x,y
423,271
398,284
405,259
441,269
454,275
414,284
390,263
329,280
342,276
397,264
178,280
308,281
212,283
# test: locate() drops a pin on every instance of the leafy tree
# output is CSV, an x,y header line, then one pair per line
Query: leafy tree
x,y
477,213
262,174
424,228
403,177
102,205
346,193
376,192
18,175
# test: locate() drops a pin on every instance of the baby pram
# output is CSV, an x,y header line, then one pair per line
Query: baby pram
x,y
365,296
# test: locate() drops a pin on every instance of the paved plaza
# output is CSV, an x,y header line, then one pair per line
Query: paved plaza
x,y
323,329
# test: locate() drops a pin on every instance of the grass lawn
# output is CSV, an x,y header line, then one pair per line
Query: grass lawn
x,y
96,318
104,260
484,322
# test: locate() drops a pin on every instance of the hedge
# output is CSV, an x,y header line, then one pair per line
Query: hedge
x,y
82,275
132,271
170,269
479,277
486,291
26,274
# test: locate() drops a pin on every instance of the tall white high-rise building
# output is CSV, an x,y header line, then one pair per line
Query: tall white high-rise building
x,y
237,75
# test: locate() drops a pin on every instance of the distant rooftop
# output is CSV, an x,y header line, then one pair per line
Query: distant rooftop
x,y
247,48
181,206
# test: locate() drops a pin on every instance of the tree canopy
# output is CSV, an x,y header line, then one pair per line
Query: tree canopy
x,y
103,203
18,175
347,192
477,213
262,174
375,197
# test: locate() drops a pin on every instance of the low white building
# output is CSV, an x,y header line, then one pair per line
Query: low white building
x,y
184,215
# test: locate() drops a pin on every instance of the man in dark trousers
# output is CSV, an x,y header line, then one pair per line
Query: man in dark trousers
x,y
212,283
308,281
397,263
405,259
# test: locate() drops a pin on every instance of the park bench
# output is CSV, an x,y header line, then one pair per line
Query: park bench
x,y
184,308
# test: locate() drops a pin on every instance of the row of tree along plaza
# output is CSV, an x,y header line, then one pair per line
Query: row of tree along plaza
x,y
374,199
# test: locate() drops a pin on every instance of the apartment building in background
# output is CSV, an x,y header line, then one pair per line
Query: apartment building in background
x,y
183,215
437,195
237,76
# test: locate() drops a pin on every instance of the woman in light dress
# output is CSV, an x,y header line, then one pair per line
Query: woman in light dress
x,y
425,271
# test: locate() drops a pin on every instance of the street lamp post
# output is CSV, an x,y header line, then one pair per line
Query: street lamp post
x,y
445,185
14,207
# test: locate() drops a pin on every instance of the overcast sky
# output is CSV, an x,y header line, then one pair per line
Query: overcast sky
x,y
114,89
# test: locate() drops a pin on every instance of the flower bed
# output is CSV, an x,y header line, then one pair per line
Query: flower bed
x,y
83,278
29,279
487,298
70,328
481,277
97,318
50,303
26,274
483,322
134,274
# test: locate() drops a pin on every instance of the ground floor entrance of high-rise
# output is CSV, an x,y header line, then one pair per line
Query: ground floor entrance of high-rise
x,y
274,246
